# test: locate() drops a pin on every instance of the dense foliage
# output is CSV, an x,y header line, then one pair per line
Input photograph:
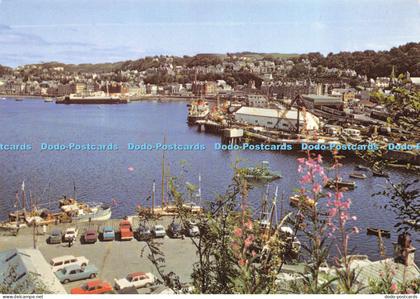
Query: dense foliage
x,y
370,63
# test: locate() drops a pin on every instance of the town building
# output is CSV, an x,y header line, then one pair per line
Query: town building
x,y
313,101
257,100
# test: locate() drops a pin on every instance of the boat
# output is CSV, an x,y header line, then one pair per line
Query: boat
x,y
363,168
198,110
3,99
85,212
260,173
18,99
95,99
298,201
340,183
48,100
358,175
379,173
376,232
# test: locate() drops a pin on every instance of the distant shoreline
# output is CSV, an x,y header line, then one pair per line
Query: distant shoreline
x,y
8,96
160,98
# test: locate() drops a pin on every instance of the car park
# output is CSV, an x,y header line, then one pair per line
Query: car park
x,y
159,231
70,234
108,233
90,236
137,280
55,236
93,287
76,272
143,233
61,262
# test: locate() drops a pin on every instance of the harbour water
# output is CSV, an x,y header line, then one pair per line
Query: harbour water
x,y
124,178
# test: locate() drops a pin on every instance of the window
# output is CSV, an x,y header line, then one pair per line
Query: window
x,y
269,123
58,263
73,260
72,272
67,262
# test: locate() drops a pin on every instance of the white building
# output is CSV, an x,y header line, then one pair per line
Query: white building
x,y
276,118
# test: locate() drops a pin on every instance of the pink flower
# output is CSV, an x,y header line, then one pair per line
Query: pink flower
x,y
333,212
394,288
248,241
237,232
301,160
316,188
354,218
339,195
249,225
242,262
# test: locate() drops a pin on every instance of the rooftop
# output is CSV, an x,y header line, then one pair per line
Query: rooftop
x,y
29,261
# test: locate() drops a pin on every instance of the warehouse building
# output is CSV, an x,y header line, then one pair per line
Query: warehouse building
x,y
313,101
276,118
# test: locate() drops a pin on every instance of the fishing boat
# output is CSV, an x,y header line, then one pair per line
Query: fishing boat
x,y
85,212
363,168
376,232
261,173
340,183
48,100
358,175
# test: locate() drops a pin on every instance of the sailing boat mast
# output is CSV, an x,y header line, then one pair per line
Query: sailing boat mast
x,y
163,175
23,197
153,196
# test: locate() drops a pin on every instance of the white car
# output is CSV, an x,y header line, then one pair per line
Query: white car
x,y
61,262
136,280
70,233
159,231
191,228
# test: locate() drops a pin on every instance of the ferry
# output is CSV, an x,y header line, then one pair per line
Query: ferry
x,y
74,99
197,110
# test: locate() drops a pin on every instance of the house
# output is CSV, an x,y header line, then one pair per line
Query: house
x,y
257,100
276,118
29,267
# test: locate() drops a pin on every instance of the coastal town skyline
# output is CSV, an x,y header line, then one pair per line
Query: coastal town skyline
x,y
109,31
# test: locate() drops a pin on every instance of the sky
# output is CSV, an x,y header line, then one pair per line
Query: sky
x,y
93,31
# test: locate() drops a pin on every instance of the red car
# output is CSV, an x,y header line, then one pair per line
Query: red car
x,y
93,287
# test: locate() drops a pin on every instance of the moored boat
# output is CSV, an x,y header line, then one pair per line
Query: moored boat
x,y
377,231
260,173
340,183
358,175
361,167
84,212
379,173
197,110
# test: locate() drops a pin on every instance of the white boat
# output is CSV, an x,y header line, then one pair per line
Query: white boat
x,y
84,212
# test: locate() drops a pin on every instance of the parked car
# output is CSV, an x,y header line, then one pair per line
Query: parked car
x,y
191,229
61,262
93,287
108,233
55,236
143,233
175,230
137,280
76,272
90,236
159,231
126,231
70,233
